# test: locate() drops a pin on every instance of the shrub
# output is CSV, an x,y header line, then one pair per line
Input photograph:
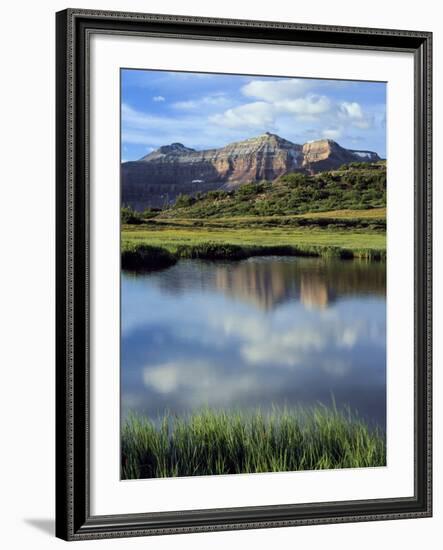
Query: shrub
x,y
129,215
145,257
294,180
212,251
183,201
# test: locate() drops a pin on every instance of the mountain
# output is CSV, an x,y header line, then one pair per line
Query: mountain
x,y
159,177
326,154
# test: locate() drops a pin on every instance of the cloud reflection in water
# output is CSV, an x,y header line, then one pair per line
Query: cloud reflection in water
x,y
253,333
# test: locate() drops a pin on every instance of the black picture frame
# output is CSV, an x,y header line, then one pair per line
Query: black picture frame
x,y
74,521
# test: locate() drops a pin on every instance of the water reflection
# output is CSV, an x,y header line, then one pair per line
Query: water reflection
x,y
245,334
268,282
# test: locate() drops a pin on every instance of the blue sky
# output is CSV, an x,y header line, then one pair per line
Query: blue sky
x,y
204,110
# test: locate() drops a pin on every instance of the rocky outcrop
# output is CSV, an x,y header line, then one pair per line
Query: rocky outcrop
x,y
158,178
326,154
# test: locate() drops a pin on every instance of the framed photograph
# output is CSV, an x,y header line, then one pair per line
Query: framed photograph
x,y
243,274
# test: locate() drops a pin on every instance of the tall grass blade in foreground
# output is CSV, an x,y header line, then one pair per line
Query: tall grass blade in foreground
x,y
219,442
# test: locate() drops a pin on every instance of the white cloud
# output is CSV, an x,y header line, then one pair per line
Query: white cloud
x,y
353,113
352,110
296,109
158,98
276,90
251,115
262,114
332,133
312,104
163,378
216,100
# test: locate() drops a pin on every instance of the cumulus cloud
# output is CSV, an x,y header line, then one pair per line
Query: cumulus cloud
x,y
276,90
295,108
311,104
263,114
352,112
251,115
277,99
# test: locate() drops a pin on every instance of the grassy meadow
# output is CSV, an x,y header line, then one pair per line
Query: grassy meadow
x,y
240,238
172,236
212,442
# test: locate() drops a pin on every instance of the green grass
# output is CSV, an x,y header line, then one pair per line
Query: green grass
x,y
348,213
237,243
218,442
339,233
310,221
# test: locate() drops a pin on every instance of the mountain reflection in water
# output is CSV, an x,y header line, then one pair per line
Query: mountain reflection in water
x,y
263,331
270,281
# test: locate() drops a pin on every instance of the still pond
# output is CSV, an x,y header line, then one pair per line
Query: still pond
x,y
252,334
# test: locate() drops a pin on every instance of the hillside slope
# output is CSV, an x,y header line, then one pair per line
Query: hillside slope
x,y
159,177
356,186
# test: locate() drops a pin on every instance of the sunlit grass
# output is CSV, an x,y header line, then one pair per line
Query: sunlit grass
x,y
341,233
346,214
213,442
210,243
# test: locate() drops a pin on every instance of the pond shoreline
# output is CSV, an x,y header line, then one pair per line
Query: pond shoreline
x,y
135,255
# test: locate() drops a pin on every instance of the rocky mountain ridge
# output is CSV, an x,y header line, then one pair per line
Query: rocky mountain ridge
x,y
159,177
